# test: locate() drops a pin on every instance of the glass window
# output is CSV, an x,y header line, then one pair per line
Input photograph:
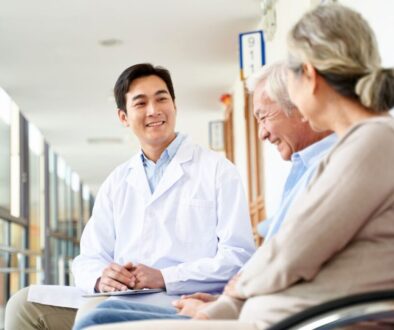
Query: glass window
x,y
16,178
64,197
62,261
5,150
86,197
4,257
36,198
76,205
54,267
52,189
18,239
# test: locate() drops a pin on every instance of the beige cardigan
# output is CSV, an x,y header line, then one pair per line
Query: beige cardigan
x,y
338,238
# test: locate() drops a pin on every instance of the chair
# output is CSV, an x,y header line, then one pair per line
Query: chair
x,y
377,305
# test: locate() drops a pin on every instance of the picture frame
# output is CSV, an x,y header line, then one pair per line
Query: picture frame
x,y
216,135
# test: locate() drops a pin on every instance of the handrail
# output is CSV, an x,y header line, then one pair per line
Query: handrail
x,y
5,214
63,236
18,270
10,249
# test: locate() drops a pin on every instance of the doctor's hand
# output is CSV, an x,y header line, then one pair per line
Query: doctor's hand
x,y
116,278
147,277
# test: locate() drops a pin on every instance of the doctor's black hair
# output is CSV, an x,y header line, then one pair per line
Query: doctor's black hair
x,y
138,71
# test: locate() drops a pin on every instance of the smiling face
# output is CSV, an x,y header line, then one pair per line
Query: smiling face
x,y
288,132
151,112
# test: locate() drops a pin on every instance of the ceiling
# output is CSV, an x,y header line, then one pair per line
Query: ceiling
x,y
55,68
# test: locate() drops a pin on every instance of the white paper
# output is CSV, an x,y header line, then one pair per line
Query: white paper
x,y
71,297
56,295
123,293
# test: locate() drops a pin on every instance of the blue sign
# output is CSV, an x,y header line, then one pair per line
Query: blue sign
x,y
251,52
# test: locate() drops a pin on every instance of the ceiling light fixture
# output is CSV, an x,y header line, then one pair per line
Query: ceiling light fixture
x,y
110,42
105,140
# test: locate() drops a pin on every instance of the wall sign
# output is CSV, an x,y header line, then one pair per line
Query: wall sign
x,y
251,52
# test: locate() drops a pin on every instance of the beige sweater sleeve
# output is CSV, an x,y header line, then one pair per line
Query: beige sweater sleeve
x,y
354,179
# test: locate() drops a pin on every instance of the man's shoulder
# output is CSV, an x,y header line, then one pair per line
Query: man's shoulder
x,y
200,150
118,175
211,157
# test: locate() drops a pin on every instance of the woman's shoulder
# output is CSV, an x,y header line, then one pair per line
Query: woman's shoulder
x,y
366,139
371,132
376,125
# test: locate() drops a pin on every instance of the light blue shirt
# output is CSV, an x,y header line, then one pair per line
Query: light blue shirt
x,y
154,171
303,166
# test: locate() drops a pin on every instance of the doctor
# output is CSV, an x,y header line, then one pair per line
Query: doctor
x,y
174,217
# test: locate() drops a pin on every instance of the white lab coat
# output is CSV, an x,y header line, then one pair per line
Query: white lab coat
x,y
195,227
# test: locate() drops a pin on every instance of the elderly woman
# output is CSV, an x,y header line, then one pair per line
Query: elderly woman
x,y
344,223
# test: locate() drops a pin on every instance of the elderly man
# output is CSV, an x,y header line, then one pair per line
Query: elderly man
x,y
281,124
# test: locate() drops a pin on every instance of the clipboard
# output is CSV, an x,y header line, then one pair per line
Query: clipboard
x,y
122,293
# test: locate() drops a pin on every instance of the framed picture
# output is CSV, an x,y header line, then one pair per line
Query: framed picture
x,y
216,135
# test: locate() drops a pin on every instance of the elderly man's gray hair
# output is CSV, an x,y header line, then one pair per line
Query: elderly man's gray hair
x,y
274,78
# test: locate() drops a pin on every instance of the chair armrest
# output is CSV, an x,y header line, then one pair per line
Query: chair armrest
x,y
342,311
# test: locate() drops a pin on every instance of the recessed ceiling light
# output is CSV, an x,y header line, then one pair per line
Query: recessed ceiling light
x,y
110,42
105,140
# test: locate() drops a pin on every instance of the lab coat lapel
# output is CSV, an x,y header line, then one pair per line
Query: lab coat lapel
x,y
137,177
174,170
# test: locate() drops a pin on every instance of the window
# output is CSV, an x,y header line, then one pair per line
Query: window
x,y
5,151
86,204
36,202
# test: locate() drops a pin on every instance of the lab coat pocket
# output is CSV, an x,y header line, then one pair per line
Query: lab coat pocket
x,y
196,221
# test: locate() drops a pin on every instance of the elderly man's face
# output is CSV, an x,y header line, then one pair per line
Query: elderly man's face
x,y
286,132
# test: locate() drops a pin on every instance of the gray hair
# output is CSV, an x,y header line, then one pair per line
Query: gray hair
x,y
342,47
274,77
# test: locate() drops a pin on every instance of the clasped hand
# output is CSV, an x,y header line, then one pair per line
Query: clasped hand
x,y
191,305
120,278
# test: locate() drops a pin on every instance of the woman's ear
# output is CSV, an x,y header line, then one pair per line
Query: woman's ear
x,y
310,75
122,114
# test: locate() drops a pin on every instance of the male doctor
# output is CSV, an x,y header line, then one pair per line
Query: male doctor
x,y
174,217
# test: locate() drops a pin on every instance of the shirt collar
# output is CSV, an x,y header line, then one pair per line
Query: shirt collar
x,y
170,151
314,152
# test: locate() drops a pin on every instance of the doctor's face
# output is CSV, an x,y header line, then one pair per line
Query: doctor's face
x,y
151,112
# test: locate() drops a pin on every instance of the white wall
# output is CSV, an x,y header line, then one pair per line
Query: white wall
x,y
377,12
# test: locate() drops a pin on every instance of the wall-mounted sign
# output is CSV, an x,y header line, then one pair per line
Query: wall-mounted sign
x,y
251,52
216,135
